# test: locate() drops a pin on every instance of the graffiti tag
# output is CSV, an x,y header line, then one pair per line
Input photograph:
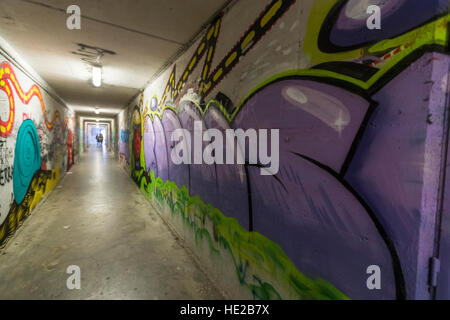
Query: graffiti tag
x,y
6,175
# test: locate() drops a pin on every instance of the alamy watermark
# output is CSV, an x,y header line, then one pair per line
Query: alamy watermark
x,y
73,21
227,147
74,280
374,21
374,280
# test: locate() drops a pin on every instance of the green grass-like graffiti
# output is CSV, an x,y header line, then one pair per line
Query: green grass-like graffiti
x,y
249,250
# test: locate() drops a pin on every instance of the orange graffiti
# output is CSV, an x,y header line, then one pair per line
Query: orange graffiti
x,y
7,73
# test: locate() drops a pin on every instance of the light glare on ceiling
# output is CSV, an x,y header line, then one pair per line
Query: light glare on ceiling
x,y
96,76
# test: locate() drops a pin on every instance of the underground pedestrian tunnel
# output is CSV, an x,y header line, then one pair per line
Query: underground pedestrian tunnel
x,y
226,149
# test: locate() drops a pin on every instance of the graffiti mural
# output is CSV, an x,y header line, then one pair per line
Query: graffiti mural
x,y
27,159
360,154
33,149
70,153
6,168
41,183
7,76
124,138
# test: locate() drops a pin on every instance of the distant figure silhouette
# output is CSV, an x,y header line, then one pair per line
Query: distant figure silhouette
x,y
100,139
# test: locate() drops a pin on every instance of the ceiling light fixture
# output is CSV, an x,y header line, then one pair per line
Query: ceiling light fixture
x,y
97,110
97,76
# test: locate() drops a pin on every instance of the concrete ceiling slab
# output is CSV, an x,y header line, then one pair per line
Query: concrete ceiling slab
x,y
144,34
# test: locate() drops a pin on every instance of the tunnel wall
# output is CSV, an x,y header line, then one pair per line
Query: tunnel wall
x,y
36,142
362,119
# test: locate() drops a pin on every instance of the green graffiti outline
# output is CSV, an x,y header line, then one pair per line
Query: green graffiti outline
x,y
246,248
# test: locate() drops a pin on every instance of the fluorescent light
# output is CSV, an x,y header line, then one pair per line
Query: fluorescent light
x,y
97,111
96,76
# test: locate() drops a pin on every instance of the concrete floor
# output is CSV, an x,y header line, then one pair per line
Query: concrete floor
x,y
98,220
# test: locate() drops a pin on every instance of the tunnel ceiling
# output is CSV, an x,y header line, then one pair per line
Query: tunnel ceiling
x,y
142,33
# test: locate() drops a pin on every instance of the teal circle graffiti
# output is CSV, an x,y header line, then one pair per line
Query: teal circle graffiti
x,y
27,159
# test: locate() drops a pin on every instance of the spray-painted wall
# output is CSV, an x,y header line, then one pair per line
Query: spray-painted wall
x,y
36,145
124,138
362,117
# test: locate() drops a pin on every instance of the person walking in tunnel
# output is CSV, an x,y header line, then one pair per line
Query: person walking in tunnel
x,y
100,139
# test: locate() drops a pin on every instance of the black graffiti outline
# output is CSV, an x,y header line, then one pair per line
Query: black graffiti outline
x,y
211,78
325,45
400,286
